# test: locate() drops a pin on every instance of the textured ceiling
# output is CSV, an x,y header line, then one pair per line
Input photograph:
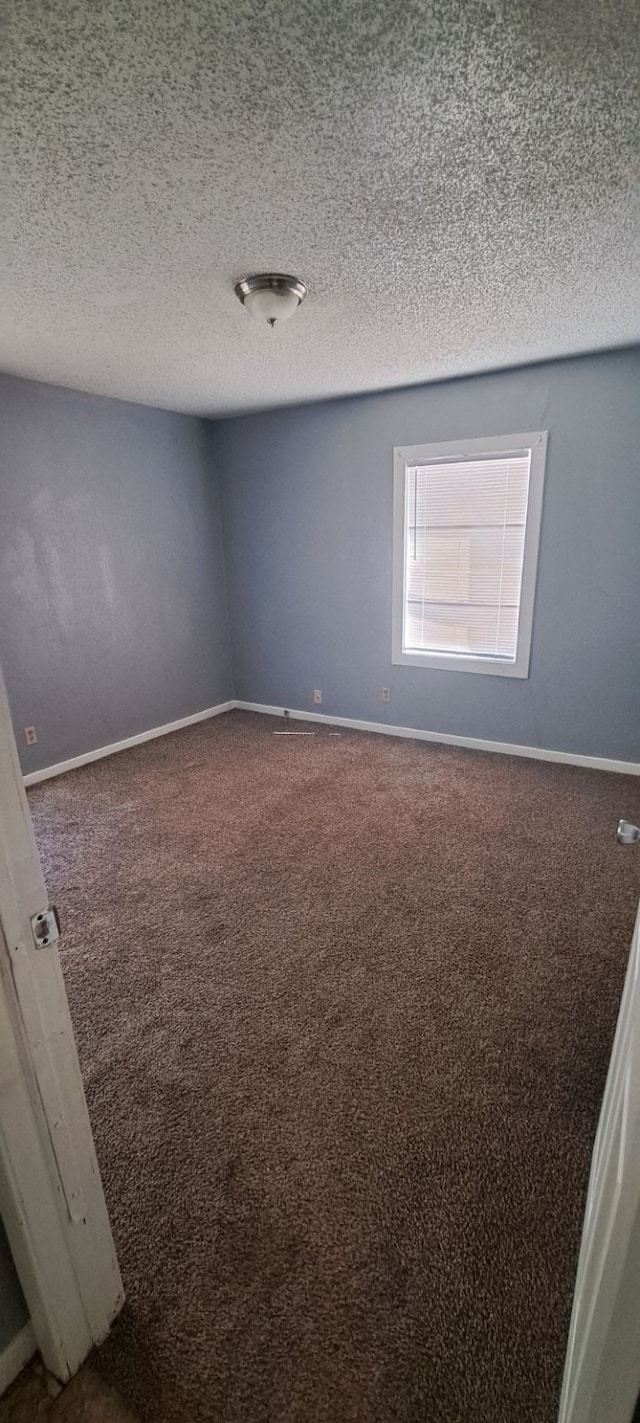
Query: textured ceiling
x,y
454,180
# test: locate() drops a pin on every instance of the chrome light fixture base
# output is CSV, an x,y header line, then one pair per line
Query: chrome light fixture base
x,y
279,285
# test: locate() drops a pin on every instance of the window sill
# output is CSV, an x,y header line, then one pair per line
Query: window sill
x,y
457,662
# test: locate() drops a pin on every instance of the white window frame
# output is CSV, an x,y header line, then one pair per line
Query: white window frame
x,y
456,450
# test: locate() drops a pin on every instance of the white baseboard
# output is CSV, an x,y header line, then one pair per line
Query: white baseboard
x,y
473,743
16,1354
32,777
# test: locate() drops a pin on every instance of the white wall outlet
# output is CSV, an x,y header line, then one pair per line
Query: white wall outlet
x,y
30,735
386,694
317,696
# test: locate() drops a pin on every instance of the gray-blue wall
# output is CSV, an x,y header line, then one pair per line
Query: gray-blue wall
x,y
306,497
13,1310
113,615
113,607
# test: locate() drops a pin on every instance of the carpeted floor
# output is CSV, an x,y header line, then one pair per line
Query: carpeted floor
x,y
344,1005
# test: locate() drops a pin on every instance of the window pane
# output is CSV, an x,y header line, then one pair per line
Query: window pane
x,y
478,632
470,566
472,492
464,551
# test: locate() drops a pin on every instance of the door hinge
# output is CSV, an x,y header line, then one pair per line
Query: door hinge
x,y
45,927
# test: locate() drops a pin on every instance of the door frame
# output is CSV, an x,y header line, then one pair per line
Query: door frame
x,y
51,1198
602,1365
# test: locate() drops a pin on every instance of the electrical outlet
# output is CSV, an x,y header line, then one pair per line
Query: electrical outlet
x,y
386,694
317,696
30,735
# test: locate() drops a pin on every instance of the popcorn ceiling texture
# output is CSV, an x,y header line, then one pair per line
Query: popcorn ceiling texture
x,y
454,180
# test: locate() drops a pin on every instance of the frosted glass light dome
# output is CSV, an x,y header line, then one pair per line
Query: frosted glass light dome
x,y
271,296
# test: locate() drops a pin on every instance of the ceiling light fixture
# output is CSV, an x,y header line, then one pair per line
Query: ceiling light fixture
x,y
270,296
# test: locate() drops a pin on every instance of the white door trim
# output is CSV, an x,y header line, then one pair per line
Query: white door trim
x,y
51,1197
602,1368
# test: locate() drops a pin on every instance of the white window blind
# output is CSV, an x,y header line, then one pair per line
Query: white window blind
x,y
464,541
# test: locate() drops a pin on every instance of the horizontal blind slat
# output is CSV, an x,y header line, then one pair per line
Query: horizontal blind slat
x,y
464,552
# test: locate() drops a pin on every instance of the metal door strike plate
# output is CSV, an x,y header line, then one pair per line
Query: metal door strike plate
x,y
45,927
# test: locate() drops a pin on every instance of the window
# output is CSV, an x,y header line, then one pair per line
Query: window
x,y
466,530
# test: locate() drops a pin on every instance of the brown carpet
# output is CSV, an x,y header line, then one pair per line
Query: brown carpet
x,y
344,1006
